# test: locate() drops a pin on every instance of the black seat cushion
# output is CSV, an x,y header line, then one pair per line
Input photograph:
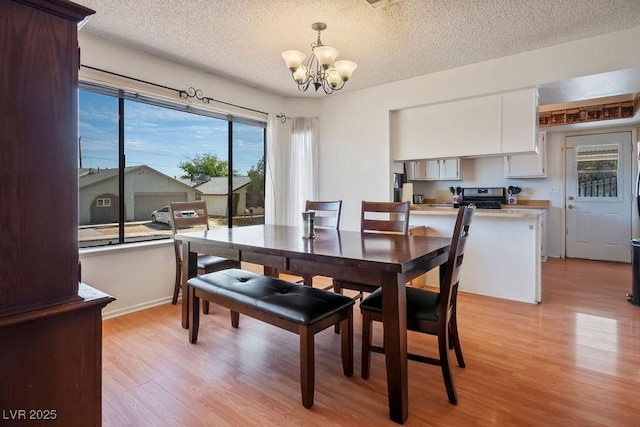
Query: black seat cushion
x,y
300,304
210,263
421,304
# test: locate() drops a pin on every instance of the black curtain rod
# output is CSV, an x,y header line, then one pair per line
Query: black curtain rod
x,y
180,92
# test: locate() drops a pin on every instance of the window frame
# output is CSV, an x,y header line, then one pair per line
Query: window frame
x,y
122,94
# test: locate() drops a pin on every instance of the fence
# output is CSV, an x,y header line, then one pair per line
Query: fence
x,y
599,188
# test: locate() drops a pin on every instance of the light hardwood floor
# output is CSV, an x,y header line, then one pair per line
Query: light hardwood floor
x,y
573,360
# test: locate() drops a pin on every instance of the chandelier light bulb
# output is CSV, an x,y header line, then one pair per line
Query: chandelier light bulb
x,y
345,68
300,75
333,77
293,58
326,55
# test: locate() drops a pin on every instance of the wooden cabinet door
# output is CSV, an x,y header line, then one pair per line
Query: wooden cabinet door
x,y
39,162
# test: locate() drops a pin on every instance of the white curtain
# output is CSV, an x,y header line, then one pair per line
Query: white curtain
x,y
303,178
271,180
291,172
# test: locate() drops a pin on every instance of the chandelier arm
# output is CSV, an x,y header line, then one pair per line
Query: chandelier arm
x,y
302,87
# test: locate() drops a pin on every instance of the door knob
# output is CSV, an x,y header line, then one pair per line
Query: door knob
x,y
570,206
570,197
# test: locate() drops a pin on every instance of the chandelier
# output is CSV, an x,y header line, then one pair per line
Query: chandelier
x,y
319,70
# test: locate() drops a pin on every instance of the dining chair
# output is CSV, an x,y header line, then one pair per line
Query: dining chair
x,y
378,217
429,312
186,215
327,216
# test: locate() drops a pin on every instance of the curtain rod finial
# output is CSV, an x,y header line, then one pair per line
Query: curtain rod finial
x,y
282,117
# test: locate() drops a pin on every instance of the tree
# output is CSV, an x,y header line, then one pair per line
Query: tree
x,y
255,189
208,164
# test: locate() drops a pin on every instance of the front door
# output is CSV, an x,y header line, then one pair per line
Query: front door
x,y
598,196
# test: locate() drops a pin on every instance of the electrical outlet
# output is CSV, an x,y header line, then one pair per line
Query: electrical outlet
x,y
555,189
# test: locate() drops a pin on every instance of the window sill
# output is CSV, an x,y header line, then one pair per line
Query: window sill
x,y
126,247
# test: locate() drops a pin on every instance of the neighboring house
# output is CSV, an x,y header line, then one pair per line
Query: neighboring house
x,y
215,191
146,190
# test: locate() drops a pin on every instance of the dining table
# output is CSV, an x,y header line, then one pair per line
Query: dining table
x,y
385,260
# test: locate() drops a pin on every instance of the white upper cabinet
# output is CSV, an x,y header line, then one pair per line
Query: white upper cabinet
x,y
519,121
528,165
487,125
433,169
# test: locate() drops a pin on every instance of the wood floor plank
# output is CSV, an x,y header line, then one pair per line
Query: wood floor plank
x,y
573,360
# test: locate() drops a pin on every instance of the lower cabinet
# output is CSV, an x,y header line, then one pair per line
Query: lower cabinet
x,y
51,363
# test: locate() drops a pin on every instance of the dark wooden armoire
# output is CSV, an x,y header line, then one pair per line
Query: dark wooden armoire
x,y
50,323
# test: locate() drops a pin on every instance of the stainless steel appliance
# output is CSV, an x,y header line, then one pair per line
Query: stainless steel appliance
x,y
399,179
484,197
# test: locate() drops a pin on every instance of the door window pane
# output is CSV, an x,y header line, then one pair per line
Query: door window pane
x,y
597,170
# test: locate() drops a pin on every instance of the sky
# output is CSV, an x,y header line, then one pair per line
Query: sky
x,y
159,137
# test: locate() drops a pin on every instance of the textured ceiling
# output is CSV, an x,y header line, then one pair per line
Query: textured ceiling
x,y
242,39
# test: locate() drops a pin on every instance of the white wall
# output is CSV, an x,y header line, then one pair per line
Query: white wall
x,y
355,162
98,53
138,275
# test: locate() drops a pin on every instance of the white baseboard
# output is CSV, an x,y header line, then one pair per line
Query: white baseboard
x,y
121,312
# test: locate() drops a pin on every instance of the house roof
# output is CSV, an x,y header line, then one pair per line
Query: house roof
x,y
217,186
91,176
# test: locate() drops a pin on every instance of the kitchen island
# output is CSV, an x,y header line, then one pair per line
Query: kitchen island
x,y
503,254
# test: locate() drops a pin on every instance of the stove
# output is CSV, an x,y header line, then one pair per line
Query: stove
x,y
484,197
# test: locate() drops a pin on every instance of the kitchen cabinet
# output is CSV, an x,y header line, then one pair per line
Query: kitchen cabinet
x,y
503,258
433,169
519,121
528,165
487,125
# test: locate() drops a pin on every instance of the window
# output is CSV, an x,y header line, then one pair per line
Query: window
x,y
103,203
131,169
597,171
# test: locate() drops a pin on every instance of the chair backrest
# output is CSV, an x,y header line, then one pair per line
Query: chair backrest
x,y
327,213
181,217
188,214
449,285
396,219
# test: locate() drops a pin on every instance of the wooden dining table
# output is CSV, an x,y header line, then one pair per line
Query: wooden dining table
x,y
385,260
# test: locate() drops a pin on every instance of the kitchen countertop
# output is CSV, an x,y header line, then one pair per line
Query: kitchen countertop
x,y
508,211
522,204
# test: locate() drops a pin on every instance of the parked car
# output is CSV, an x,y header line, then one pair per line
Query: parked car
x,y
163,215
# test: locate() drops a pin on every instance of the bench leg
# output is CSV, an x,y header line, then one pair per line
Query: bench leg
x,y
307,366
205,307
235,319
346,338
194,314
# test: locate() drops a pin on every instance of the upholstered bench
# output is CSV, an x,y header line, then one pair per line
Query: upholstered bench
x,y
300,309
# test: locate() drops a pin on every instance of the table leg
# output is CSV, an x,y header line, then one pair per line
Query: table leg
x,y
394,315
189,270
